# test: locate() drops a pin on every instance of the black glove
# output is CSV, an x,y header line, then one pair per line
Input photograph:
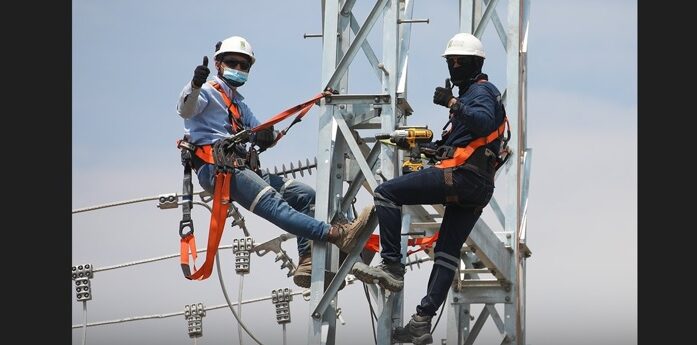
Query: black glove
x,y
201,73
442,95
265,137
428,149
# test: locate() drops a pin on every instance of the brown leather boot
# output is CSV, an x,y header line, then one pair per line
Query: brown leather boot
x,y
345,235
302,276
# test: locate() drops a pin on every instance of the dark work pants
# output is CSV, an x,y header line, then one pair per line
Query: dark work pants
x,y
426,187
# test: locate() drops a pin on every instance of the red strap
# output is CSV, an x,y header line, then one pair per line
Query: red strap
x,y
205,152
221,198
373,243
422,242
303,108
231,106
187,245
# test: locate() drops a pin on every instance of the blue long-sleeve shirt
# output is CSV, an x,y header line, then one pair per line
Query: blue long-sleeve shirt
x,y
480,113
207,120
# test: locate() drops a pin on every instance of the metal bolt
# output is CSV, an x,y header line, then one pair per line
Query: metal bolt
x,y
400,21
508,299
381,66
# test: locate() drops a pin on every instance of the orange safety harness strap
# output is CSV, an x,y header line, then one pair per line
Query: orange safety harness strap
x,y
221,200
187,245
461,154
231,107
301,109
373,243
205,152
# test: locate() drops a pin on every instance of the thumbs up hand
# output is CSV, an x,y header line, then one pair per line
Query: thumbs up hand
x,y
201,73
443,95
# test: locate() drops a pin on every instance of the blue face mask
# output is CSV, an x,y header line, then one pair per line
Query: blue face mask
x,y
235,77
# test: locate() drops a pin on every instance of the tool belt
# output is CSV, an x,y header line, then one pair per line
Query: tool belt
x,y
239,158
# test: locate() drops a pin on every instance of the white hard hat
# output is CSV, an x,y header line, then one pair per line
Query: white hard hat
x,y
464,44
236,44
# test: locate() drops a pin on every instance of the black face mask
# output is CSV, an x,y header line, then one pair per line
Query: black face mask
x,y
468,68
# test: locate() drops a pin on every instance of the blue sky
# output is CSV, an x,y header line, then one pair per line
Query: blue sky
x,y
130,59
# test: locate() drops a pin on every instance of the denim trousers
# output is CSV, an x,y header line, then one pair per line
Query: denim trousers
x,y
287,203
427,187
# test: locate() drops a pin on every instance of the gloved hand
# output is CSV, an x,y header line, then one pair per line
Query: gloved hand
x,y
201,73
428,149
264,138
442,95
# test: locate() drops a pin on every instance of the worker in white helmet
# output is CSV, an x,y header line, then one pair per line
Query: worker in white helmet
x,y
214,110
462,179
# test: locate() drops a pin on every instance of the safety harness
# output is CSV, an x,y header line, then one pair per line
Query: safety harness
x,y
226,158
476,155
450,157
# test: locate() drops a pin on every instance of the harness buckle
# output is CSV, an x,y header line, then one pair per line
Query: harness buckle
x,y
444,152
184,223
186,145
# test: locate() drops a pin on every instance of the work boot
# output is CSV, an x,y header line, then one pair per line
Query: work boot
x,y
302,276
417,331
344,235
389,275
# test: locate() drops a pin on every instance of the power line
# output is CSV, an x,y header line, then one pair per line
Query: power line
x,y
227,246
166,315
115,204
126,202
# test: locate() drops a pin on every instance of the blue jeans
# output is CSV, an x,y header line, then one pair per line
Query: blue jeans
x,y
427,187
287,203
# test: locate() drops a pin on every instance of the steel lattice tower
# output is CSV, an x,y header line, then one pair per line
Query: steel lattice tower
x,y
492,267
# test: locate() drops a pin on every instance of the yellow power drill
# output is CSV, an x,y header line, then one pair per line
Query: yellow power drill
x,y
408,138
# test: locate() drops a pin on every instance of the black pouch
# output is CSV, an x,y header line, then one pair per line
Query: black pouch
x,y
253,161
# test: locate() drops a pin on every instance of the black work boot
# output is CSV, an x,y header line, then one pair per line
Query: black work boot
x,y
302,276
389,275
345,235
417,331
